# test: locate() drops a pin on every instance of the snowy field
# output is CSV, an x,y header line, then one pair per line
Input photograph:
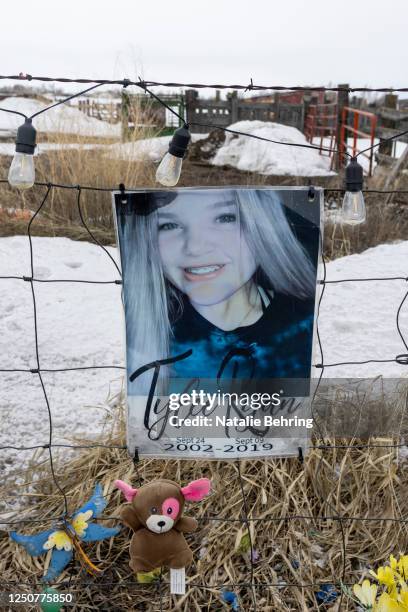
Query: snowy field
x,y
241,152
151,149
62,119
81,325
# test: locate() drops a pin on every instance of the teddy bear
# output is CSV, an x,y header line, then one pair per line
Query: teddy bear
x,y
155,514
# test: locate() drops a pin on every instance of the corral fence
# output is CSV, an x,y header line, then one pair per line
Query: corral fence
x,y
104,110
224,112
321,124
319,114
354,130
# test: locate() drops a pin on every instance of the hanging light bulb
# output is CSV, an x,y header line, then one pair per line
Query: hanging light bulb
x,y
353,210
22,172
169,170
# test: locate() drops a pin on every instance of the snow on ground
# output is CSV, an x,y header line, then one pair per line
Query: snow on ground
x,y
78,325
81,325
9,148
152,149
358,320
62,119
253,155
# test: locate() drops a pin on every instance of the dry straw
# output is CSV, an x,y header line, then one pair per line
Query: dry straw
x,y
364,483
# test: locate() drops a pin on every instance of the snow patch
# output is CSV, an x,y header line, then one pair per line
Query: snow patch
x,y
253,155
152,149
61,119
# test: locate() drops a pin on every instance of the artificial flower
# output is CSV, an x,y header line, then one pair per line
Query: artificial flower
x,y
327,594
403,566
386,603
60,540
149,577
80,522
385,575
230,598
403,598
366,593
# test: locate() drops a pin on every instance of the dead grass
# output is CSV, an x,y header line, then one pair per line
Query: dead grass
x,y
73,166
92,167
385,224
354,482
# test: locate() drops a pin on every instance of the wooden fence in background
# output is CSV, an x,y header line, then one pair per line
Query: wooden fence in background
x,y
221,113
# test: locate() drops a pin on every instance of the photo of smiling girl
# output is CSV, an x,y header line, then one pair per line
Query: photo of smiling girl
x,y
219,273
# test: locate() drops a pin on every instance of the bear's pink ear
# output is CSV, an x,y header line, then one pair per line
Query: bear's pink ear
x,y
197,489
126,489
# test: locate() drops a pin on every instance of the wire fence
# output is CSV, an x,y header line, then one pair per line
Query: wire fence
x,y
246,519
161,588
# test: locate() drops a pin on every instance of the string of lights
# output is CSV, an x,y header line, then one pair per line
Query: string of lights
x,y
22,173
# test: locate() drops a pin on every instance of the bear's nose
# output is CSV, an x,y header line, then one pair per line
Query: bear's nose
x,y
161,523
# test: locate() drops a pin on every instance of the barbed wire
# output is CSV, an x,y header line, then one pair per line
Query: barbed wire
x,y
249,87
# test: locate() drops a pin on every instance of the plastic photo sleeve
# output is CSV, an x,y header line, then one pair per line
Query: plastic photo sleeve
x,y
219,288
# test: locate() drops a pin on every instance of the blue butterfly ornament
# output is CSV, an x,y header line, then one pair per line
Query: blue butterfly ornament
x,y
68,535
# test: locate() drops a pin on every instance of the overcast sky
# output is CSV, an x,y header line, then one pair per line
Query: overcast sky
x,y
362,42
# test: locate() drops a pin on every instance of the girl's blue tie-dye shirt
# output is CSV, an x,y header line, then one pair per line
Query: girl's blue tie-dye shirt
x,y
278,345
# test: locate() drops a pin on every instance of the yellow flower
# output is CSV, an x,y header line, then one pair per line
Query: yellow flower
x,y
60,540
388,604
80,522
403,598
385,575
366,593
403,566
148,577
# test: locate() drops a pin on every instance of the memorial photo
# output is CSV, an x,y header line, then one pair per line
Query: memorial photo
x,y
221,282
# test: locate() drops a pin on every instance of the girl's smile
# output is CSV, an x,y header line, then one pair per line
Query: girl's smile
x,y
205,272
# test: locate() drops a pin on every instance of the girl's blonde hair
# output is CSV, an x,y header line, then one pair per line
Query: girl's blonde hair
x,y
283,264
